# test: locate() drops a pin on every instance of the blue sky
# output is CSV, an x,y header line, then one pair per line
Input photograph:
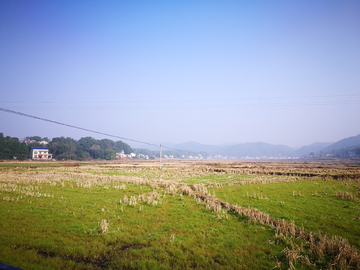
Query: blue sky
x,y
282,72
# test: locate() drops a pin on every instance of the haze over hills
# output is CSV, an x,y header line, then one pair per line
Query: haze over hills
x,y
251,149
316,148
198,147
344,143
261,149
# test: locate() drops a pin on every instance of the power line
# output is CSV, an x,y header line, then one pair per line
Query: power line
x,y
206,106
85,129
182,101
72,126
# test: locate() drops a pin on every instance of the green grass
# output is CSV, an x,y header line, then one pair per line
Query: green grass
x,y
210,179
316,210
64,232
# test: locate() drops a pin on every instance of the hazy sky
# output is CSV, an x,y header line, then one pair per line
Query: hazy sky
x,y
282,72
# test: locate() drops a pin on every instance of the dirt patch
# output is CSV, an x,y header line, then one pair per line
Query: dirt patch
x,y
101,261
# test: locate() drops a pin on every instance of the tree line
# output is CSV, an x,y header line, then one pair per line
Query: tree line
x,y
11,148
86,148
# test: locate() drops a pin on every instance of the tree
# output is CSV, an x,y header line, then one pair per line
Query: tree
x,y
81,154
107,144
34,138
87,143
64,148
11,148
109,154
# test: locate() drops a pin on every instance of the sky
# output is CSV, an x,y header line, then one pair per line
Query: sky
x,y
214,72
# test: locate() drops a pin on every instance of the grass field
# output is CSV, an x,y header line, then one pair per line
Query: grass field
x,y
188,215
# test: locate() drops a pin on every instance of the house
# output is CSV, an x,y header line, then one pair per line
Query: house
x,y
121,154
43,142
40,153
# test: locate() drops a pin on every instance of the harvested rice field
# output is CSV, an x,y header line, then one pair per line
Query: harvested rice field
x,y
204,214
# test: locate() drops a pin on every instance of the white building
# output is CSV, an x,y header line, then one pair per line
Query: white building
x,y
40,153
44,142
121,154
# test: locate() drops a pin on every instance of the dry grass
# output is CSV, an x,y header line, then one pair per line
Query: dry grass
x,y
104,226
346,195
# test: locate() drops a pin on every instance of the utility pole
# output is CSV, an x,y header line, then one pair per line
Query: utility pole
x,y
160,155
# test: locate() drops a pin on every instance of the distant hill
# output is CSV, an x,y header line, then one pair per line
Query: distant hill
x,y
261,149
306,150
257,149
344,143
198,147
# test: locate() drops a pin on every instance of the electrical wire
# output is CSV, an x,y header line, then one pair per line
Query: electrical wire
x,y
179,101
223,106
85,129
72,126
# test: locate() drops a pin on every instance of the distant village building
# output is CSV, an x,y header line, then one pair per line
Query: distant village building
x,y
32,141
43,142
121,155
142,156
352,154
27,141
41,153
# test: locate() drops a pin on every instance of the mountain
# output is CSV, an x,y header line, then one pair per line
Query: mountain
x,y
260,149
198,147
344,143
305,151
257,149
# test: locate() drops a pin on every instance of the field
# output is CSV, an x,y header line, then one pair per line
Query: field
x,y
205,214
